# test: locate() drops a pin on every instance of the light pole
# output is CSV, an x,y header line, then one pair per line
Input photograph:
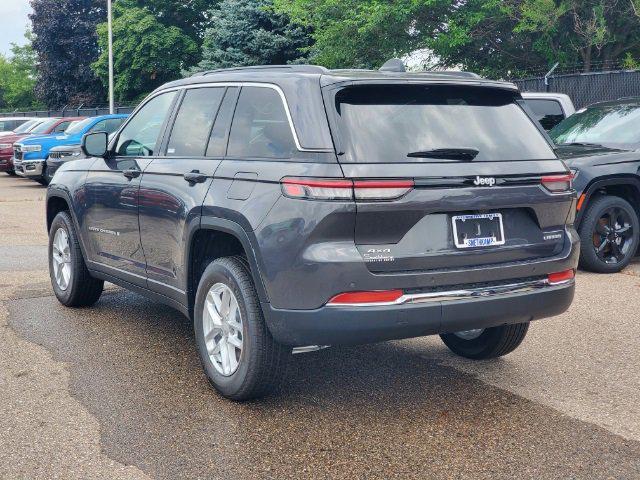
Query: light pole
x,y
110,35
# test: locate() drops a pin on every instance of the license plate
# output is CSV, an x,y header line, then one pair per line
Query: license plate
x,y
481,230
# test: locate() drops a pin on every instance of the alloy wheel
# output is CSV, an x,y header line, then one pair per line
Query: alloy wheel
x,y
613,235
61,259
222,328
469,334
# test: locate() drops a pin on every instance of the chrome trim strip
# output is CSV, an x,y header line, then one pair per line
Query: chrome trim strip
x,y
237,84
465,294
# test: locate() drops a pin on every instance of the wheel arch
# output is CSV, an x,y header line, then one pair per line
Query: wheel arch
x,y
58,201
233,240
624,186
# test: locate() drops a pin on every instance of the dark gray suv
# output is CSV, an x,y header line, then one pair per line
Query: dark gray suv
x,y
295,206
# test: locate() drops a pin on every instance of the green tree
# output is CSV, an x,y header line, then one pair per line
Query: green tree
x,y
146,52
494,37
65,42
18,77
250,32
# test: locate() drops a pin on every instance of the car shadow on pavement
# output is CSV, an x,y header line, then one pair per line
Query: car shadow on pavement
x,y
375,411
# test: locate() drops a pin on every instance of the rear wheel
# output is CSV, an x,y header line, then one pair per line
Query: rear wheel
x,y
240,357
71,281
484,343
608,235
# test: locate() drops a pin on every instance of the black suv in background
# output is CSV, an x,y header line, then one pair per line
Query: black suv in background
x,y
601,145
295,206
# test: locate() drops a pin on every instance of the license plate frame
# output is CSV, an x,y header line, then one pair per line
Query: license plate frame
x,y
478,221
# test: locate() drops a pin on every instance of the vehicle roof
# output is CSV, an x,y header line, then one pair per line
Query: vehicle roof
x,y
110,115
257,74
545,95
26,119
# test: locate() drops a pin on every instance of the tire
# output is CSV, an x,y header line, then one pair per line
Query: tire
x,y
491,343
82,290
44,181
261,362
600,252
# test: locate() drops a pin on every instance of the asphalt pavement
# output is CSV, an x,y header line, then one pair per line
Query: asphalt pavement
x,y
116,391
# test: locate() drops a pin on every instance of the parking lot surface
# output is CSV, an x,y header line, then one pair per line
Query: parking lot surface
x,y
116,391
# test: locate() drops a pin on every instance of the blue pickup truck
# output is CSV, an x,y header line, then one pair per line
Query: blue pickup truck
x,y
30,155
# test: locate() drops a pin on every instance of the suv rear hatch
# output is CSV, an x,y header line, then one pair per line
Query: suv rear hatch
x,y
465,178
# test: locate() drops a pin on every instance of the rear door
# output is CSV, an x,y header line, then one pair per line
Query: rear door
x,y
174,185
477,164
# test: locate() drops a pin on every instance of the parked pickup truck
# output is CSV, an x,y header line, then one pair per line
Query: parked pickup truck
x,y
33,152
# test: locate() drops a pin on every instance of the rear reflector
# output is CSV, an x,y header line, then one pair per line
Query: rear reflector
x,y
317,189
381,189
561,277
557,183
378,296
345,189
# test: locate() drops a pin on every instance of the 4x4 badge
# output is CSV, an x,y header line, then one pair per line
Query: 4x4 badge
x,y
488,181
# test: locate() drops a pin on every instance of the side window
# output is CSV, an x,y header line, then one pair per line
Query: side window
x,y
548,112
194,120
99,127
218,139
260,126
61,127
141,134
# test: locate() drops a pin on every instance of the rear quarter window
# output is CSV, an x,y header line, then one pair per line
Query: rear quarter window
x,y
260,127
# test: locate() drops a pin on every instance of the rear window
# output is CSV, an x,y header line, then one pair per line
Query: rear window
x,y
548,112
384,124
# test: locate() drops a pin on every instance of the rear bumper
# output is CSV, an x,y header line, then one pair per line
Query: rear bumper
x,y
423,314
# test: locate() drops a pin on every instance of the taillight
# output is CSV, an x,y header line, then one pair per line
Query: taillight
x,y
557,183
561,277
372,297
344,189
381,189
317,189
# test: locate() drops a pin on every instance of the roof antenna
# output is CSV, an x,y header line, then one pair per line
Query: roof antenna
x,y
393,65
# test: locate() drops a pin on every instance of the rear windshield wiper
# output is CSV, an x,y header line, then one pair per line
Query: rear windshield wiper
x,y
446,153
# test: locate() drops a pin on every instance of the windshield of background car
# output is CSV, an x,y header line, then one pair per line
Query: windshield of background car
x,y
25,127
78,126
384,123
45,126
615,126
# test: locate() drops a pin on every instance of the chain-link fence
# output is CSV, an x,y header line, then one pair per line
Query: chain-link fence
x,y
68,112
587,88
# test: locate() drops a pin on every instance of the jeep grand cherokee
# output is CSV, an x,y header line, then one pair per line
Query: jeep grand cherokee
x,y
295,206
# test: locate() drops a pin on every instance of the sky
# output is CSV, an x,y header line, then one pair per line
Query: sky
x,y
13,23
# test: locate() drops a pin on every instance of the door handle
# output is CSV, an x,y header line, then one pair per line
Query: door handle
x,y
195,177
131,174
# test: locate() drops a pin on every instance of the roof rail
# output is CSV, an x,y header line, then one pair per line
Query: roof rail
x,y
266,68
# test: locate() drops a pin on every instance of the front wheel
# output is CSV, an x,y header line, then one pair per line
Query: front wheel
x,y
240,357
608,235
485,343
72,283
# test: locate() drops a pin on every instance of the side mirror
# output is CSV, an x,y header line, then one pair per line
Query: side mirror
x,y
95,144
